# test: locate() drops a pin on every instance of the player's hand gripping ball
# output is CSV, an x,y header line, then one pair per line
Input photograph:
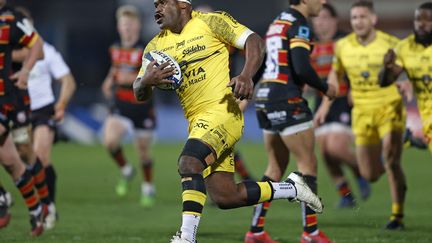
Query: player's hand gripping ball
x,y
161,57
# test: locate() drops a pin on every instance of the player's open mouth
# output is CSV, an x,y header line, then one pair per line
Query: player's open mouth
x,y
158,18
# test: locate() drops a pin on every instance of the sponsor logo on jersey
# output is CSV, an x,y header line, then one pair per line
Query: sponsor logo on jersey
x,y
193,49
288,17
180,44
276,29
195,39
303,32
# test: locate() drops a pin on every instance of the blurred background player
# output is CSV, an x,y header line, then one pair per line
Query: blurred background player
x,y
46,112
18,32
209,104
128,114
334,136
378,115
413,55
283,113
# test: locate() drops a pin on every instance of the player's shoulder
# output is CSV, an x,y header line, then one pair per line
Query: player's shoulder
x,y
48,48
407,41
212,16
386,37
9,13
346,40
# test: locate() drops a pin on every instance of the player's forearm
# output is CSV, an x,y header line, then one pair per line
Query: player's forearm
x,y
19,55
35,53
389,75
67,90
254,53
141,91
305,71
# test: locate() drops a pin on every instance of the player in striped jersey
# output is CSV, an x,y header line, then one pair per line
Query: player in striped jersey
x,y
126,113
17,31
283,113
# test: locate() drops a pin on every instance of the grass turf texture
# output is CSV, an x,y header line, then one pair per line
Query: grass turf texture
x,y
90,211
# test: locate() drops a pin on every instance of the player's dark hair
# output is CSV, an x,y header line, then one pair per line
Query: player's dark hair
x,y
294,2
426,6
365,4
330,9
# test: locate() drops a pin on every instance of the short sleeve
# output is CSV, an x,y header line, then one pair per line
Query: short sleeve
x,y
23,32
299,35
226,28
337,61
57,66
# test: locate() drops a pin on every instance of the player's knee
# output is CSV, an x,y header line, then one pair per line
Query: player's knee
x,y
189,165
195,157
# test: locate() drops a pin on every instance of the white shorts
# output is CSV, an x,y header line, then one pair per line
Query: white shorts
x,y
333,127
292,129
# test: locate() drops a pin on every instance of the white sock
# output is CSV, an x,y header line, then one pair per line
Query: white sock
x,y
127,170
283,190
147,189
37,211
189,227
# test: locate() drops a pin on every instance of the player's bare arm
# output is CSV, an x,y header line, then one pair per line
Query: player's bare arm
x,y
35,53
153,75
391,70
68,87
333,81
254,54
108,83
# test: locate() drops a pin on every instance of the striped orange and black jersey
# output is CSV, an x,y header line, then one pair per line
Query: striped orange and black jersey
x,y
15,31
322,58
125,62
288,31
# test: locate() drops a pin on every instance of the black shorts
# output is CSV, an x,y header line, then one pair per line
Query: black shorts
x,y
277,116
340,111
20,116
141,115
6,112
44,116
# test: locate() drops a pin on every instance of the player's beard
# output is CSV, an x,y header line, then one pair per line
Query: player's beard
x,y
425,40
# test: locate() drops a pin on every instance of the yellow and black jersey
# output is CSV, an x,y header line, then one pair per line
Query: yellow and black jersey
x,y
362,64
416,59
202,50
15,31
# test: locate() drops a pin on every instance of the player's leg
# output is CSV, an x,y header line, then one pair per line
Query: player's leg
x,y
143,142
392,150
278,158
340,147
240,166
23,141
24,181
114,130
198,155
334,167
300,142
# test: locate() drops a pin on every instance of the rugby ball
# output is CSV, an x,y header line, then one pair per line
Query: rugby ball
x,y
161,57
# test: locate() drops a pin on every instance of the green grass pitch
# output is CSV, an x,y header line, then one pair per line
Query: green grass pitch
x,y
91,212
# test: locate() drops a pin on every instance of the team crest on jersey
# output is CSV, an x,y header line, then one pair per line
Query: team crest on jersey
x,y
135,56
303,32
